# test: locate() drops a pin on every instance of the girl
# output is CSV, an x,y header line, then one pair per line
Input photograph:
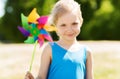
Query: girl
x,y
66,58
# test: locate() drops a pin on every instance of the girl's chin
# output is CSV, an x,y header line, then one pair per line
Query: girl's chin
x,y
71,38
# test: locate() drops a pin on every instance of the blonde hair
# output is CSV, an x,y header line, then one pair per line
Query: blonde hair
x,y
62,7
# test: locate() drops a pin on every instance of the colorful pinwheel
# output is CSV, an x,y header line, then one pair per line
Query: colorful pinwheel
x,y
35,28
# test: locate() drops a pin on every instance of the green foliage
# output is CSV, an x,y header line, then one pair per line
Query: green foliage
x,y
103,23
101,18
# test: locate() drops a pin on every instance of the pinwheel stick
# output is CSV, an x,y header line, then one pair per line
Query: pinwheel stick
x,y
33,55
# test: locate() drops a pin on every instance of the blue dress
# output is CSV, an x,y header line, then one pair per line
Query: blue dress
x,y
66,64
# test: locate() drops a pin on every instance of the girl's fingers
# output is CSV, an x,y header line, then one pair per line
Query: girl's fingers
x,y
29,76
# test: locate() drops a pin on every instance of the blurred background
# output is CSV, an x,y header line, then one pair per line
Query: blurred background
x,y
100,32
101,18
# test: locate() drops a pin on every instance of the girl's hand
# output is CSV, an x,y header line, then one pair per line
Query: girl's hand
x,y
29,76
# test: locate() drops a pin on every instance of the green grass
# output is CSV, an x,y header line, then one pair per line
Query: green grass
x,y
15,59
106,65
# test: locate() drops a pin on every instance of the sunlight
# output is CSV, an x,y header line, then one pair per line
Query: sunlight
x,y
2,5
106,7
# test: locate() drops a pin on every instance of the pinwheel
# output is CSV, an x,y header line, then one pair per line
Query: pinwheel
x,y
35,28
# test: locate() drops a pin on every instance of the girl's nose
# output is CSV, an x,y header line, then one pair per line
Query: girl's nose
x,y
70,29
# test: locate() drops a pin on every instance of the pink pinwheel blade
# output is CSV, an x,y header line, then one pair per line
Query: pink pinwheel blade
x,y
40,41
23,31
48,37
42,20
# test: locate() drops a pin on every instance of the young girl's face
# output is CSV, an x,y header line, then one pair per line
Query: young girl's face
x,y
68,26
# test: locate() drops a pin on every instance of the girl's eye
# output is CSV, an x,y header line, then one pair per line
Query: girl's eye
x,y
75,23
62,25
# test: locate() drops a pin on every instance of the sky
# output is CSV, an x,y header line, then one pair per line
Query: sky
x,y
2,5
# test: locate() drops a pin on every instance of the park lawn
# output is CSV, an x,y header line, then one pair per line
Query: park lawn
x,y
15,60
106,65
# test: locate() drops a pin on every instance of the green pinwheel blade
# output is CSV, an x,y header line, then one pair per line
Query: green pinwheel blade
x,y
30,40
24,22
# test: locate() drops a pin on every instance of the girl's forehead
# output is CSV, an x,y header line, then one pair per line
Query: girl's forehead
x,y
68,18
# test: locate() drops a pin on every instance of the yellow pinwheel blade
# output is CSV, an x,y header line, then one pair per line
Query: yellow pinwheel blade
x,y
33,16
50,28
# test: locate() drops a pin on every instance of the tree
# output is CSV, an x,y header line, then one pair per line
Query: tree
x,y
101,20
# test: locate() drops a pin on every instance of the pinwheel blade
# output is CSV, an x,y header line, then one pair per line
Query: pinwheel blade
x,y
42,31
33,16
23,31
48,37
24,22
30,40
50,28
42,20
40,41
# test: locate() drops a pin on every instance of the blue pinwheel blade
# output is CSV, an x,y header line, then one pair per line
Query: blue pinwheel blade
x,y
42,31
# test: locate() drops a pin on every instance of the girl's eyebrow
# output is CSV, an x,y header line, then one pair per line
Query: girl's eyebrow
x,y
74,22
